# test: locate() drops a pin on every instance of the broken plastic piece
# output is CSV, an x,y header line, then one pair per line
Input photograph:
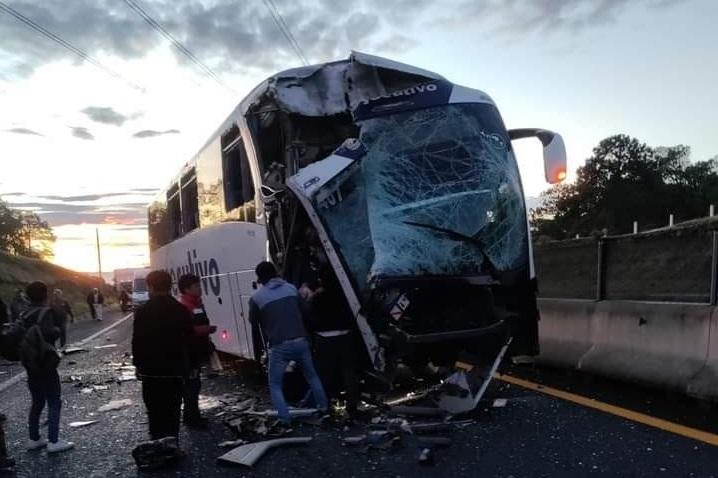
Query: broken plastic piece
x,y
426,457
227,444
82,424
115,405
249,454
499,403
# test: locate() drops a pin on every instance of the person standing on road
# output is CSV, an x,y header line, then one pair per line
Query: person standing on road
x,y
40,359
200,349
19,305
61,306
276,310
3,313
96,300
161,338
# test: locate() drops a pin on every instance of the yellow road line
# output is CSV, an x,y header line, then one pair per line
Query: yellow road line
x,y
665,425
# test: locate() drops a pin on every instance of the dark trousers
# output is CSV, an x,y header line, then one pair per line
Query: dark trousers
x,y
163,400
335,360
45,388
190,397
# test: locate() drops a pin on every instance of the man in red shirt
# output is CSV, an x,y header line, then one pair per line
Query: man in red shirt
x,y
201,347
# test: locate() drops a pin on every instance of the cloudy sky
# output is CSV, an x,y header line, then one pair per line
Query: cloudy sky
x,y
86,143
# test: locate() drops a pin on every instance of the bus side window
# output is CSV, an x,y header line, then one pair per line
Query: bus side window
x,y
238,185
190,206
174,213
158,223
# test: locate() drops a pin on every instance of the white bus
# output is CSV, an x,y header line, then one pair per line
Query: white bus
x,y
406,181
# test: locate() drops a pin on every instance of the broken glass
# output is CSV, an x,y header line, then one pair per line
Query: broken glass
x,y
447,168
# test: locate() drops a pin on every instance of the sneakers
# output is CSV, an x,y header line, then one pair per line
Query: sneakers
x,y
60,446
36,444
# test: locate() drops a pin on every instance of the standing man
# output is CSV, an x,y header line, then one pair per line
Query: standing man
x,y
161,338
40,359
95,300
3,313
200,348
275,308
61,306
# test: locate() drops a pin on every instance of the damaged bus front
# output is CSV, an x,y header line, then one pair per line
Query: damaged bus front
x,y
393,190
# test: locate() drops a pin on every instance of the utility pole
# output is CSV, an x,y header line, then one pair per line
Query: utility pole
x,y
99,258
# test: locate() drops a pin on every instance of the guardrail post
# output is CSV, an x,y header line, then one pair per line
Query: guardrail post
x,y
601,270
714,270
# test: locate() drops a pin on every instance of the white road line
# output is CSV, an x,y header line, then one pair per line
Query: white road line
x,y
21,376
106,329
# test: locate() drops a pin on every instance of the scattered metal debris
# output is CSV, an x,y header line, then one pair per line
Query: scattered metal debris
x,y
82,424
249,454
115,405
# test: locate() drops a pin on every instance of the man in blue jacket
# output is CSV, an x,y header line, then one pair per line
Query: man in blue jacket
x,y
276,309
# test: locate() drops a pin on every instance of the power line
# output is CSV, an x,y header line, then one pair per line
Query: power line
x,y
176,43
67,45
284,28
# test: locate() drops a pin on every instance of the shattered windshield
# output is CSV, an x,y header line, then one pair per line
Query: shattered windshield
x,y
437,193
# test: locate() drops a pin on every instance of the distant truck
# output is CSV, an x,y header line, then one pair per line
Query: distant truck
x,y
139,294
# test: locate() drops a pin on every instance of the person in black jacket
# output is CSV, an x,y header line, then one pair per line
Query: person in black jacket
x,y
191,297
332,324
161,339
40,360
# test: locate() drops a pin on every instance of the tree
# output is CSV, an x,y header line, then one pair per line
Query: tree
x,y
24,233
626,180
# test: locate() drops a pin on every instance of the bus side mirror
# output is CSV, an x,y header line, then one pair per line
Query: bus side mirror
x,y
554,151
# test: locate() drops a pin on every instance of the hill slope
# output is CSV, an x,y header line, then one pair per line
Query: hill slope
x,y
16,272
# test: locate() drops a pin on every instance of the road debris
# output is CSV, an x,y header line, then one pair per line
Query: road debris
x,y
426,457
416,411
108,346
82,424
499,403
231,443
249,454
73,350
115,405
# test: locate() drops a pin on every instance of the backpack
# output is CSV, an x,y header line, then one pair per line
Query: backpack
x,y
13,334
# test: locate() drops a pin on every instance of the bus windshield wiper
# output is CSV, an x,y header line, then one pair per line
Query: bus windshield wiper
x,y
457,236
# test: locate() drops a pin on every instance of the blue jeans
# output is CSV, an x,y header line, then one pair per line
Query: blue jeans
x,y
45,389
279,356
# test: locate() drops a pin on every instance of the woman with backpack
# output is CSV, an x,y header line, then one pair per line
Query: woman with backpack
x,y
43,327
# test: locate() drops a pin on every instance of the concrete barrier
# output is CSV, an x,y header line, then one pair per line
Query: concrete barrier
x,y
661,344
